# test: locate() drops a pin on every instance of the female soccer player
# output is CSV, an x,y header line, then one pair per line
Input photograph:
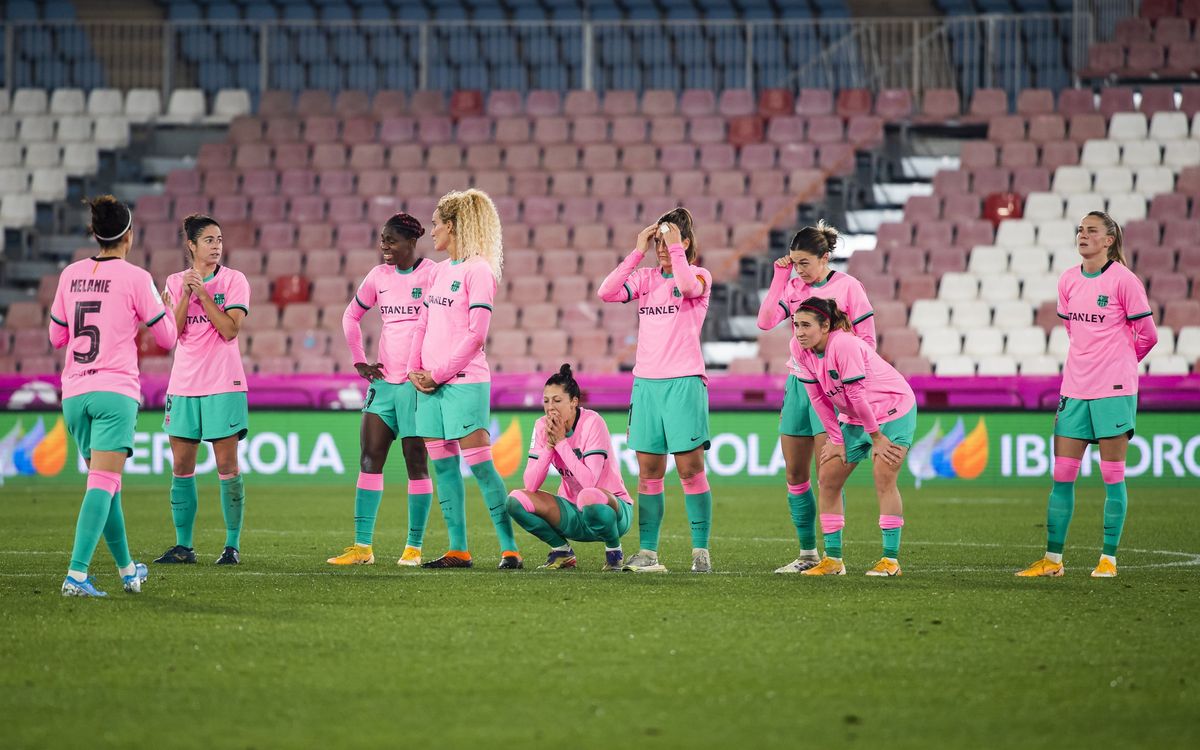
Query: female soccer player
x,y
1109,324
669,409
449,369
97,308
397,286
801,433
878,415
592,504
206,395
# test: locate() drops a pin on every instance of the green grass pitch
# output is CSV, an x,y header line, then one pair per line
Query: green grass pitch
x,y
286,651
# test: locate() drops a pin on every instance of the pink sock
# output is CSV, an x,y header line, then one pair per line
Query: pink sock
x,y
420,486
832,522
1066,469
522,497
799,489
438,449
891,522
184,476
226,476
370,481
478,455
108,481
1112,472
650,486
695,485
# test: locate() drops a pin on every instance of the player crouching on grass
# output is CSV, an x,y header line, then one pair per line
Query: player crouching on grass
x,y
878,414
592,504
1110,326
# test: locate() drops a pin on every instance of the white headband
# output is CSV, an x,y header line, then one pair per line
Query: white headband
x,y
121,233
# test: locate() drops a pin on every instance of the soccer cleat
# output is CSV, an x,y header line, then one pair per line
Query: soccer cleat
x,y
885,568
799,565
452,559
1105,569
178,555
613,560
827,567
87,587
644,562
1041,568
133,584
229,557
354,555
411,557
510,561
559,560
701,561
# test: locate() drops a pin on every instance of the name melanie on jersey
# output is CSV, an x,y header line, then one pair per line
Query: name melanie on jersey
x,y
90,286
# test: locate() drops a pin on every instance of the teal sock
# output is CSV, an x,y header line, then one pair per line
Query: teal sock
x,y
366,510
891,542
496,497
833,544
650,516
1058,515
804,517
233,506
699,513
601,520
534,523
93,515
1116,502
418,516
183,508
452,499
114,533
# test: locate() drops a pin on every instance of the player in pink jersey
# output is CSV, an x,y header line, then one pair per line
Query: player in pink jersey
x,y
448,366
669,409
801,433
876,413
98,306
592,504
397,287
206,395
1111,329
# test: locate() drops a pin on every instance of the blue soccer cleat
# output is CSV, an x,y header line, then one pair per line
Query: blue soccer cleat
x,y
71,587
133,583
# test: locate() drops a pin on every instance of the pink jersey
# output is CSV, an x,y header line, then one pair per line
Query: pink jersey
x,y
97,308
447,352
205,363
586,451
399,295
787,292
847,362
1109,323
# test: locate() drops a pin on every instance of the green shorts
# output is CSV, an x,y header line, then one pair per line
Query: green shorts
x,y
454,411
669,415
799,417
101,421
900,431
207,417
395,404
572,526
1095,419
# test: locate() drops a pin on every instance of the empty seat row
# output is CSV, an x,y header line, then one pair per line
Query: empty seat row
x,y
184,106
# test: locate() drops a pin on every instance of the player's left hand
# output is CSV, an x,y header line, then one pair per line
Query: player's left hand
x,y
166,299
831,451
555,430
884,448
672,237
193,282
423,381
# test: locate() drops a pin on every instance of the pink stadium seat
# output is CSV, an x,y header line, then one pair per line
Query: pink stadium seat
x,y
892,234
540,210
1168,286
567,290
426,102
1087,127
739,210
703,208
757,156
922,208
865,131
853,103
282,262
299,317
1157,9
775,102
865,262
1180,233
276,103
1183,59
591,343
445,156
1047,127
943,260
389,103
220,182
397,130
986,104
905,261
1151,260
879,286
977,154
1104,59
935,234
1032,102
598,262
678,156
1189,9
715,156
511,130
596,157
971,232
1168,206
1018,154
618,211
360,262
39,365
550,236
939,105
474,129
1026,180
1060,154
252,156
432,129
650,184
154,208
958,207
283,130
697,102
784,130
736,102
813,102
268,208
1144,58
527,289
329,156
249,262
917,286
1006,129
321,129
543,103
666,130
277,236
610,184
367,156
1142,233
314,236
183,182
659,102
494,183
1130,30
1073,102
1188,182
589,129
547,130
726,183
639,156
837,158
628,129
244,129
347,209
352,103
504,103
239,234
291,156
537,183
159,235
618,103
951,181
707,129
825,129
447,180
314,102
894,105
580,209
1115,99
483,156
1179,313
405,156
382,207
296,182
466,103
538,315
186,205
359,235
797,156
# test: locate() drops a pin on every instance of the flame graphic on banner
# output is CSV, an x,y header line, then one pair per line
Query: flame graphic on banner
x,y
971,456
952,455
507,447
50,455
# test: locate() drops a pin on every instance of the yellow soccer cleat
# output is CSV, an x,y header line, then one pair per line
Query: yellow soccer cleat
x,y
827,567
1042,567
411,557
1105,569
885,568
354,555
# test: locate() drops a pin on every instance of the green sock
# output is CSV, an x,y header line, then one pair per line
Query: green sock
x,y
699,513
601,520
1058,515
114,533
452,499
496,497
833,544
93,515
183,508
1116,502
534,523
418,516
650,516
804,517
233,506
891,542
366,510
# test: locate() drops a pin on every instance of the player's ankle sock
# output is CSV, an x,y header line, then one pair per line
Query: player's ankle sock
x,y
420,497
114,533
368,494
1116,503
890,527
831,526
450,490
78,576
650,512
520,508
93,515
697,501
128,570
494,494
183,508
233,507
803,505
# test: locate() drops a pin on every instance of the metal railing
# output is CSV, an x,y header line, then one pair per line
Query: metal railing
x,y
1096,21
960,52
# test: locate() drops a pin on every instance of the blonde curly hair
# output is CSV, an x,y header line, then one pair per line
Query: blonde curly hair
x,y
477,229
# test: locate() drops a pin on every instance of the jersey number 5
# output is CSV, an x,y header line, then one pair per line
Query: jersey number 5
x,y
90,332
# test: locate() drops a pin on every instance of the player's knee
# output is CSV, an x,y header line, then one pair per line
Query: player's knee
x,y
598,516
648,486
798,474
1112,472
519,502
371,463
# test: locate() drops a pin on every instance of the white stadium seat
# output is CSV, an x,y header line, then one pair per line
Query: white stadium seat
x,y
1141,154
1180,154
1127,126
231,103
954,366
928,314
1168,126
11,154
1062,259
1068,180
1042,288
36,129
940,343
8,128
997,365
185,107
13,180
106,103
29,102
1026,342
1014,315
1029,261
1112,181
49,185
1080,204
1188,343
67,102
1058,343
17,210
1127,207
1015,233
142,105
1040,365
1056,233
957,287
983,342
987,259
968,316
1039,206
42,155
5,100
80,159
1151,181
74,129
999,287
1173,365
111,132
1095,154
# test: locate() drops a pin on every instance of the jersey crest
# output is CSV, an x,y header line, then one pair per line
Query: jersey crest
x,y
416,292
219,298
1102,300
454,285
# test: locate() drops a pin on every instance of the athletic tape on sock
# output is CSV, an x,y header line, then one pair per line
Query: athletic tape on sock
x,y
474,456
650,486
891,522
108,481
419,486
441,449
1066,469
522,497
695,485
223,477
1112,472
799,489
832,522
370,481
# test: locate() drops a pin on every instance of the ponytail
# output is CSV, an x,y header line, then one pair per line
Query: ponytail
x,y
1116,251
565,379
193,226
682,218
477,231
819,240
827,312
111,221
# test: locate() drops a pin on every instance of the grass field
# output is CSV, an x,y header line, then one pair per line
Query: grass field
x,y
288,652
